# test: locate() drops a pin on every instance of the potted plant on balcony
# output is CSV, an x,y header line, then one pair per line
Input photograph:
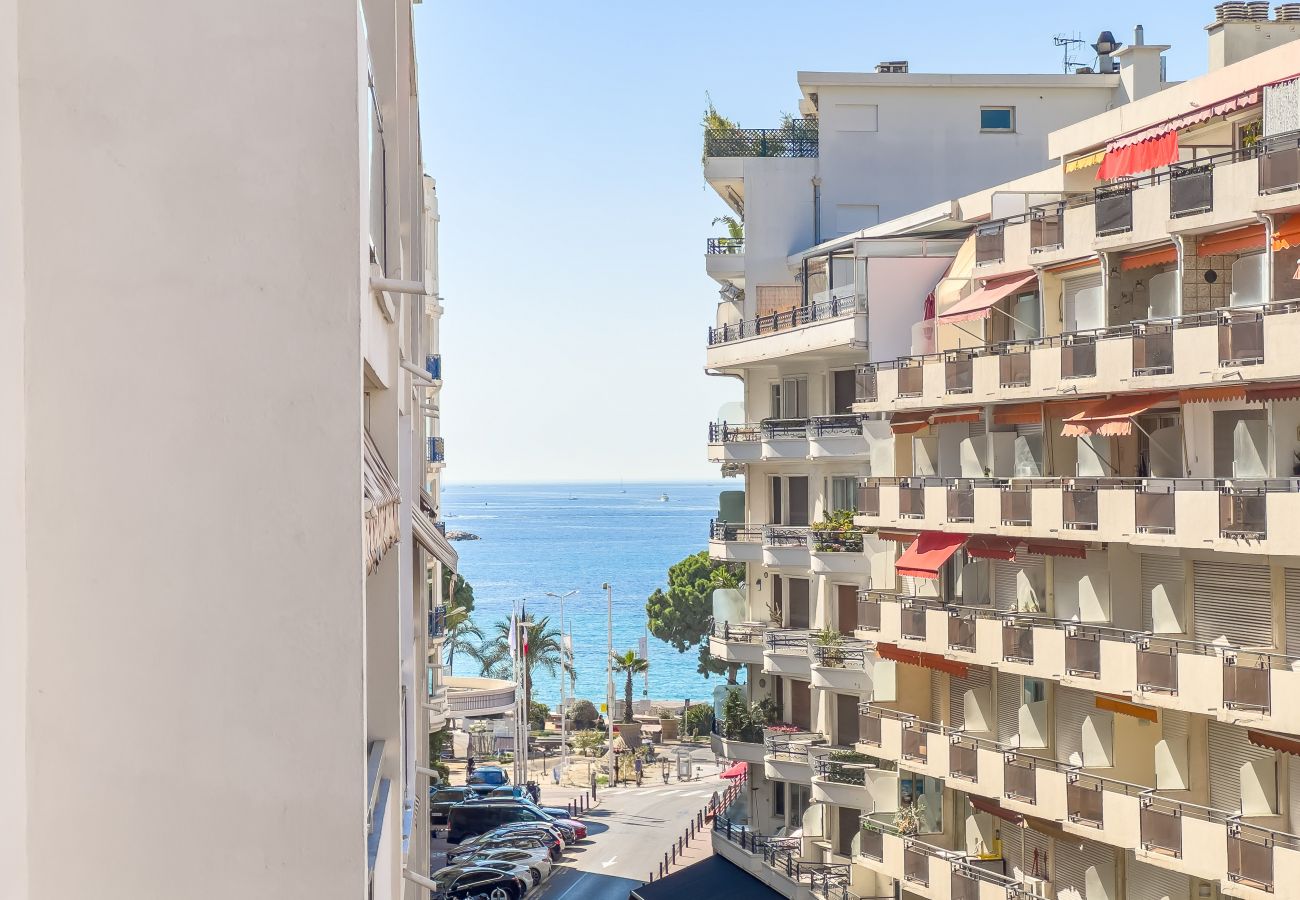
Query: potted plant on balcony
x,y
910,817
744,722
836,533
839,770
830,651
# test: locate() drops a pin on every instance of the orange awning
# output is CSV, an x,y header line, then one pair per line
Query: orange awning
x,y
1111,703
986,546
1287,234
1212,394
1112,416
909,422
1145,259
1018,414
923,660
1285,390
1070,549
949,416
978,304
1064,409
1090,262
1236,241
1270,741
928,552
985,805
896,537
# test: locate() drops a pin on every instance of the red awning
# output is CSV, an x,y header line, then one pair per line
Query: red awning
x,y
897,537
928,552
932,661
1187,120
984,546
978,304
1238,240
1112,416
985,805
1258,393
1140,157
739,770
1271,741
909,422
1071,549
1145,259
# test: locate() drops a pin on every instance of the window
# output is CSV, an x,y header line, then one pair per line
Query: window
x,y
778,799
843,492
1035,691
924,796
997,118
844,391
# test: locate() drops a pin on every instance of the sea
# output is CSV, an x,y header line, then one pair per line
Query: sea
x,y
535,538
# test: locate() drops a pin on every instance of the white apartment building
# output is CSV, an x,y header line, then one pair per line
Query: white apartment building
x,y
1053,658
220,559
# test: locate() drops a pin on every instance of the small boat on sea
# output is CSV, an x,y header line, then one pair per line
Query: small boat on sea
x,y
663,498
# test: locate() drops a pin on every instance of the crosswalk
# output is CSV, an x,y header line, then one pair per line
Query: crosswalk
x,y
654,792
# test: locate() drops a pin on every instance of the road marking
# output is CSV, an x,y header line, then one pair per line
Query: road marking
x,y
609,862
577,881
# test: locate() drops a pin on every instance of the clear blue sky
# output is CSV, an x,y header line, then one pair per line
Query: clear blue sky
x,y
565,139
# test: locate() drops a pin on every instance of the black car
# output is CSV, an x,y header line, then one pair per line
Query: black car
x,y
521,839
558,819
465,820
465,882
487,778
516,794
442,799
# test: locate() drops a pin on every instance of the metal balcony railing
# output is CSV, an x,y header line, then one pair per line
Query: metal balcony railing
x,y
727,433
911,502
964,761
437,621
738,633
1015,368
1154,509
1250,854
1017,506
961,501
1082,653
865,384
990,243
1246,684
868,614
433,366
1079,509
1019,781
735,531
1079,357
836,541
1191,189
869,730
911,380
799,316
1243,515
785,429
797,138
915,743
725,245
872,844
1045,230
912,622
1153,350
840,425
916,866
961,633
1083,801
1160,826
868,499
959,373
1017,642
1157,665
1241,339
1113,208
785,536
1279,162
437,450
841,771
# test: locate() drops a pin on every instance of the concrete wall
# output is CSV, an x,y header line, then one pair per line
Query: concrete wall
x,y
195,635
778,220
896,292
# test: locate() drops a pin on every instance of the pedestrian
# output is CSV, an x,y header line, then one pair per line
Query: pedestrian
x,y
469,767
636,766
555,774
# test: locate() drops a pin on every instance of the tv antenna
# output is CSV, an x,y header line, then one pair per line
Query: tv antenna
x,y
1069,45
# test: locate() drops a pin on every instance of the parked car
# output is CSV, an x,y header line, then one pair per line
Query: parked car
x,y
572,829
486,778
442,799
509,838
515,792
473,817
537,860
465,882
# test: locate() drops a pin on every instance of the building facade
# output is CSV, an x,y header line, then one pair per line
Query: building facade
x,y
220,583
1048,652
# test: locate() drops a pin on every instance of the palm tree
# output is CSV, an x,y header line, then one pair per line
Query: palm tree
x,y
463,636
630,664
543,650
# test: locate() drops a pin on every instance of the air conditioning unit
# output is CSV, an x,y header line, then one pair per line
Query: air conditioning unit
x,y
1037,887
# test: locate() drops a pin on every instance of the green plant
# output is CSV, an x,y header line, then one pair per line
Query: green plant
x,y
735,227
628,664
836,531
586,741
831,654
909,819
845,766
583,715
743,721
438,742
680,615
537,713
699,719
542,648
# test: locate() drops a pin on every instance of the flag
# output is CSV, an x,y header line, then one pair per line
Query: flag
x,y
514,627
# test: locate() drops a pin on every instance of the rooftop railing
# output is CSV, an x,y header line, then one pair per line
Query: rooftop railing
x,y
807,314
797,138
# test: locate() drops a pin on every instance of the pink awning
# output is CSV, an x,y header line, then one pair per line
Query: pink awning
x,y
978,304
739,770
928,553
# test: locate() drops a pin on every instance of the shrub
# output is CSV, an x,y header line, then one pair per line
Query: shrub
x,y
583,715
537,713
699,719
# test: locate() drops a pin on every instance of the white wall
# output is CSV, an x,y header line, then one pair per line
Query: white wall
x,y
896,292
196,710
885,160
13,581
778,220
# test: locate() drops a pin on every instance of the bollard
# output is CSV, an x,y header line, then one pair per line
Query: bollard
x,y
665,862
674,851
661,870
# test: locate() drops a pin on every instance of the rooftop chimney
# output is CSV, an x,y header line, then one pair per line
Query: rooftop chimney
x,y
1105,46
1243,29
1141,66
893,67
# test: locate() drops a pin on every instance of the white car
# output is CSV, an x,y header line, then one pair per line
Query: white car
x,y
522,871
537,861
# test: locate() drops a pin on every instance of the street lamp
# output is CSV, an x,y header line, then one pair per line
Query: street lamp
x,y
609,676
564,711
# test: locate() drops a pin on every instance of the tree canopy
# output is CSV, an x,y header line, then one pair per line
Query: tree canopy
x,y
680,615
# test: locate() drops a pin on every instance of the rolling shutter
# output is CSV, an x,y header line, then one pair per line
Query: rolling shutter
x,y
1072,707
1072,862
936,696
1009,693
1006,580
1070,302
978,680
1173,724
907,585
1233,601
1292,594
1149,882
1035,853
1229,750
1293,790
1163,575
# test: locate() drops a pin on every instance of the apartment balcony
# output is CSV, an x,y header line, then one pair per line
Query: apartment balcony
x,y
735,541
751,752
905,739
922,623
835,322
472,698
879,616
740,643
846,783
787,757
976,765
837,553
436,451
785,545
724,259
437,622
735,443
847,667
1183,837
433,366
1188,351
1191,513
785,652
837,437
797,139
927,870
784,439
1260,860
